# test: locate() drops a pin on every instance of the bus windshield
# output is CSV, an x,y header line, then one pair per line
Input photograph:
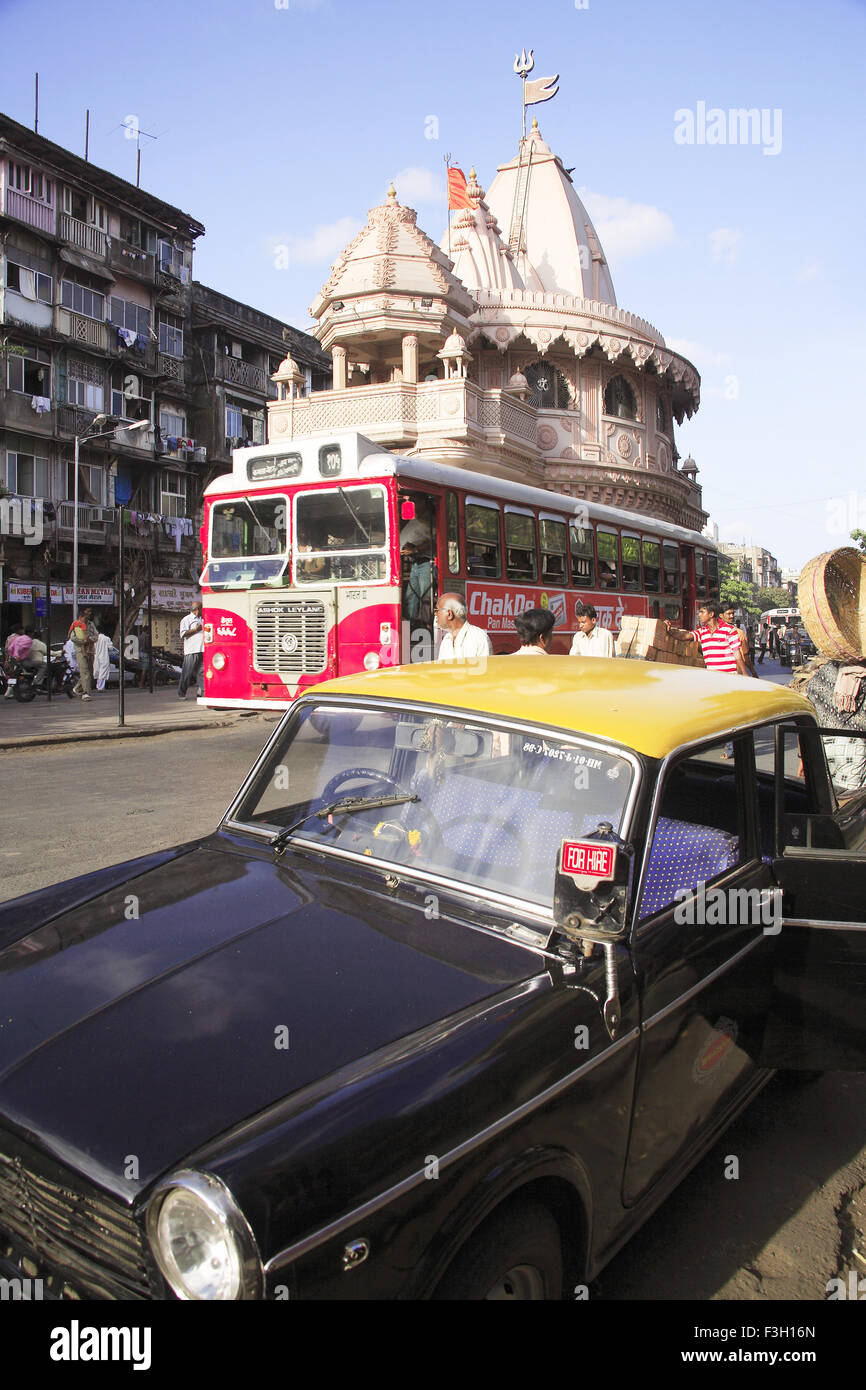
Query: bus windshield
x,y
247,542
340,534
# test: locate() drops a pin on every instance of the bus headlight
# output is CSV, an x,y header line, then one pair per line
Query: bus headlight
x,y
218,661
202,1241
371,661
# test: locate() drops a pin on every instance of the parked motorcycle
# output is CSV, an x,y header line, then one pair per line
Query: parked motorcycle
x,y
22,681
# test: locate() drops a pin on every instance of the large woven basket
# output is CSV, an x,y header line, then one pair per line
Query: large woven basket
x,y
832,602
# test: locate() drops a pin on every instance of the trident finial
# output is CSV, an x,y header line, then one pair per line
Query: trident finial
x,y
522,64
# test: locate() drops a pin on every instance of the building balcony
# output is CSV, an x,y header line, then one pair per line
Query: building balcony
x,y
30,210
406,414
31,313
94,523
16,413
90,239
171,367
74,419
127,259
138,361
91,332
236,372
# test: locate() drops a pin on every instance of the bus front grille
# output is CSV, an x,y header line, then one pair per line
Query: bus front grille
x,y
291,638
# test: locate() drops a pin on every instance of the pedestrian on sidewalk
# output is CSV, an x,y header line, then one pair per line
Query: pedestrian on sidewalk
x,y
192,635
84,634
17,647
102,660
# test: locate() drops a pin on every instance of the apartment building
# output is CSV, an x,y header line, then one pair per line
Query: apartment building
x,y
754,564
107,343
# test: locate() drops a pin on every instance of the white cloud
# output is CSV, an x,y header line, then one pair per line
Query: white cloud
x,y
419,185
325,243
702,357
627,229
726,243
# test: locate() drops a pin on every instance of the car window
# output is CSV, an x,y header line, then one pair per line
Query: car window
x,y
698,832
488,806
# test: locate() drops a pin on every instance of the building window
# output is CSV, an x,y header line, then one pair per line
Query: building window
x,y
171,335
90,395
620,400
244,426
548,387
172,493
28,474
81,300
32,284
172,425
75,203
171,260
125,314
32,181
30,374
661,416
130,398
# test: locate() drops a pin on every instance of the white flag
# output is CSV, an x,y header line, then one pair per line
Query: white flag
x,y
542,89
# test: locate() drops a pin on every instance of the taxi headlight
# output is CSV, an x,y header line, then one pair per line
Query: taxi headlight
x,y
218,661
202,1241
371,661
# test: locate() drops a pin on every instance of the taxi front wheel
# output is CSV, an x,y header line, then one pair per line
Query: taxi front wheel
x,y
514,1255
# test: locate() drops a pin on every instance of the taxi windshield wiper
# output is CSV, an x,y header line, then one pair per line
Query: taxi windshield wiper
x,y
345,806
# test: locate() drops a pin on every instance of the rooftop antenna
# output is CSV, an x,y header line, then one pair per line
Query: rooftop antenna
x,y
36,110
86,133
133,131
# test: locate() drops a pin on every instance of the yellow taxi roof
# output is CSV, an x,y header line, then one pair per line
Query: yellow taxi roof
x,y
645,705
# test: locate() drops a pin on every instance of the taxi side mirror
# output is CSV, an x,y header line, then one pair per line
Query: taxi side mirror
x,y
590,895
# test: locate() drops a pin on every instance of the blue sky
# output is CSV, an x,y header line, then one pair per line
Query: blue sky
x,y
280,122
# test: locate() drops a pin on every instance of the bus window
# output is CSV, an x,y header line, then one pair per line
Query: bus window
x,y
520,560
340,535
651,566
453,534
701,574
247,542
482,540
553,548
713,576
582,561
608,559
631,564
671,569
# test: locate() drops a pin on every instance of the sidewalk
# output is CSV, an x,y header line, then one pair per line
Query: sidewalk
x,y
68,721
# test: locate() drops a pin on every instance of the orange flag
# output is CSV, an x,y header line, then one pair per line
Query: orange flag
x,y
457,195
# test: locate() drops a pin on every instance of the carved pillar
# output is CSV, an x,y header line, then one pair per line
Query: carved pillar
x,y
338,355
410,357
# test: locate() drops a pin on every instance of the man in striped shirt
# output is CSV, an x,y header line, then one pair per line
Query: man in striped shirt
x,y
718,641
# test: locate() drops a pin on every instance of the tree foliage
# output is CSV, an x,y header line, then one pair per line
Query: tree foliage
x,y
860,538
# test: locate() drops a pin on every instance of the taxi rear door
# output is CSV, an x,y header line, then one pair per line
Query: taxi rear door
x,y
816,1017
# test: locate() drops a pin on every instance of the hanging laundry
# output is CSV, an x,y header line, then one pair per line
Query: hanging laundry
x,y
140,343
40,404
26,282
177,530
126,336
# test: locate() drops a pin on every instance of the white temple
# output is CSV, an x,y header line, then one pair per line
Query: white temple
x,y
502,349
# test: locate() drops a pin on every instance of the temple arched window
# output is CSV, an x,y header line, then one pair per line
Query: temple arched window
x,y
619,399
548,387
661,416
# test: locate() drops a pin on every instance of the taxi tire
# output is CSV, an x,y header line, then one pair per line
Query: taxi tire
x,y
515,1253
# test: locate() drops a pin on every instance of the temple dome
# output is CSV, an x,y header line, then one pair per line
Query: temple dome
x,y
559,249
481,258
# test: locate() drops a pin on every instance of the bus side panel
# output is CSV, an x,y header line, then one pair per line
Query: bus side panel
x,y
494,606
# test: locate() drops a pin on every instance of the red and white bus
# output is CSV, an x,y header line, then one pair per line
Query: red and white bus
x,y
326,557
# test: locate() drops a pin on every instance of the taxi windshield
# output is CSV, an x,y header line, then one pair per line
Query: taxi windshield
x,y
482,804
247,542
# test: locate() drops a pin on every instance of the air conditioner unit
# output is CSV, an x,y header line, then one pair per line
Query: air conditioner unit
x,y
102,514
199,455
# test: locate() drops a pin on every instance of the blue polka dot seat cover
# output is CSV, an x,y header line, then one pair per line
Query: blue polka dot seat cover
x,y
684,855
